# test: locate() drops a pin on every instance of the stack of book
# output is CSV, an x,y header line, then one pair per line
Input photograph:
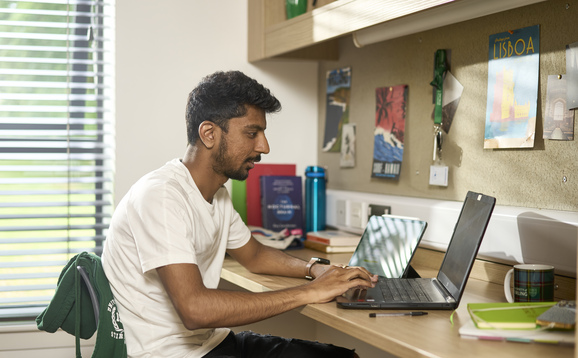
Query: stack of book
x,y
332,241
517,322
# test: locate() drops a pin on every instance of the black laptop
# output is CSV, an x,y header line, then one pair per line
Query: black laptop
x,y
443,292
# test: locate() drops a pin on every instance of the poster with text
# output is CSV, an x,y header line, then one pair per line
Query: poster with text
x,y
389,132
513,69
336,107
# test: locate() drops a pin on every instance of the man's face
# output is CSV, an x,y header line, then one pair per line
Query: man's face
x,y
242,145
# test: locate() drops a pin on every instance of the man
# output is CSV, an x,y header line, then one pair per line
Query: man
x,y
169,234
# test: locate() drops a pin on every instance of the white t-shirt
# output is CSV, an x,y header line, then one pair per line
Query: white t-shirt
x,y
163,220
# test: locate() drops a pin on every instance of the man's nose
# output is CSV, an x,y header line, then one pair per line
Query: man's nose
x,y
263,145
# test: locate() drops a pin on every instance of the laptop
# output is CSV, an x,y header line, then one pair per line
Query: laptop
x,y
446,290
388,244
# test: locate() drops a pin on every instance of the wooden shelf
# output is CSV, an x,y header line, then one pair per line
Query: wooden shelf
x,y
310,35
314,34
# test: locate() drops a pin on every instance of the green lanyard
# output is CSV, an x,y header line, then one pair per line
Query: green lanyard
x,y
438,82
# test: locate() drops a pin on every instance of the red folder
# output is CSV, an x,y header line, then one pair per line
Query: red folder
x,y
254,191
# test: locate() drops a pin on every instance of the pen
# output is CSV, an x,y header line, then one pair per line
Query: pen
x,y
418,313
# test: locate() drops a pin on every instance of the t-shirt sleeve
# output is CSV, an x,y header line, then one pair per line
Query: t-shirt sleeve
x,y
239,234
157,222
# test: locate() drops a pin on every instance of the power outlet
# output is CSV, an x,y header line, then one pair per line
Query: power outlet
x,y
355,214
379,210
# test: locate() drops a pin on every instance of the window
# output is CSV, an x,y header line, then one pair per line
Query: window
x,y
56,142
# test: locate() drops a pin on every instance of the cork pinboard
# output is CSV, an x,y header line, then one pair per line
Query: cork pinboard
x,y
545,176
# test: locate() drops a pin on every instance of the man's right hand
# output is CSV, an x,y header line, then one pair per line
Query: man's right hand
x,y
336,280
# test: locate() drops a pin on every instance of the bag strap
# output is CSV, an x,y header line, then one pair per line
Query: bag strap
x,y
77,308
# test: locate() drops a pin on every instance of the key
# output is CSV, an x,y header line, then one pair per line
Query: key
x,y
438,140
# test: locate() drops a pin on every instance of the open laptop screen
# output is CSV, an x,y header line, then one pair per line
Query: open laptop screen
x,y
388,244
465,242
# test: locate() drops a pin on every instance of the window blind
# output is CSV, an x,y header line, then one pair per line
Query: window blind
x,y
56,142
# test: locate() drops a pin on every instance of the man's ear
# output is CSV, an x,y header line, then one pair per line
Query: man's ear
x,y
207,133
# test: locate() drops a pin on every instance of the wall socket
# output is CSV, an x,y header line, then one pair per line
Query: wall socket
x,y
379,210
341,207
355,214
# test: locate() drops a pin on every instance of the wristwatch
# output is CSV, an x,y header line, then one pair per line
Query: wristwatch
x,y
313,261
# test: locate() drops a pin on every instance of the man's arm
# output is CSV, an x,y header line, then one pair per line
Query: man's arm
x,y
259,258
200,307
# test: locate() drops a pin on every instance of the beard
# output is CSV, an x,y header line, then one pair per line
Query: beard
x,y
224,164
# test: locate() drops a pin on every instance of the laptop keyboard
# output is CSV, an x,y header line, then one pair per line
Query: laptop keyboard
x,y
403,290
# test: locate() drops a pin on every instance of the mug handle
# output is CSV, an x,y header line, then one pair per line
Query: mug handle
x,y
507,289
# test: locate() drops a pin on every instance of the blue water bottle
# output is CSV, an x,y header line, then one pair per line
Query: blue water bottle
x,y
314,198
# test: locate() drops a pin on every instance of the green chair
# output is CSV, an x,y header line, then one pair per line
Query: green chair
x,y
83,304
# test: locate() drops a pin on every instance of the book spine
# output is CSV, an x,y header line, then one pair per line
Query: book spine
x,y
318,239
334,241
315,246
327,248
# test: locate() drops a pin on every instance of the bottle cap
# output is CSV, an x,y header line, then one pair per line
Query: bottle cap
x,y
315,172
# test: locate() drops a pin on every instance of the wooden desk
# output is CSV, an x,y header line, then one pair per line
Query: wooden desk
x,y
427,336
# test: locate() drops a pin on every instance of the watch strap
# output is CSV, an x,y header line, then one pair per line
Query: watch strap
x,y
313,261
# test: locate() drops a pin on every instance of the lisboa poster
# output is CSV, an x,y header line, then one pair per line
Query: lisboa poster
x,y
513,69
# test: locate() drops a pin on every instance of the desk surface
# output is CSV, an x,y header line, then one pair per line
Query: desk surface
x,y
426,336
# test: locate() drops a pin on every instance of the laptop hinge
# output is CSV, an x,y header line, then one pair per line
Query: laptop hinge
x,y
411,273
447,296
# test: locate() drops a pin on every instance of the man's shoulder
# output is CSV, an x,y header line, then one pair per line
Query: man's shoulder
x,y
169,175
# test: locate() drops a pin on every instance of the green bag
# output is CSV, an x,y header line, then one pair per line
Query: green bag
x,y
72,309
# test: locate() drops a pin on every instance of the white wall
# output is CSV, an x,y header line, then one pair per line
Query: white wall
x,y
163,50
514,234
26,341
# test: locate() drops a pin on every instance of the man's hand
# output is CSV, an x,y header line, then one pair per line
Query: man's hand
x,y
330,280
336,280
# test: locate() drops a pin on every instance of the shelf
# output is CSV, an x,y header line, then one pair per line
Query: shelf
x,y
314,34
313,31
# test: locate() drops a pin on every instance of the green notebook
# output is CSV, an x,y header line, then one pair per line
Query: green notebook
x,y
519,315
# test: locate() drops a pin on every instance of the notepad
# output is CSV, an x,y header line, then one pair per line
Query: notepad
x,y
469,330
519,315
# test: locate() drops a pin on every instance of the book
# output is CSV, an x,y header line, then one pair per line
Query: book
x,y
560,316
317,246
282,203
282,240
470,331
334,238
253,189
517,315
239,198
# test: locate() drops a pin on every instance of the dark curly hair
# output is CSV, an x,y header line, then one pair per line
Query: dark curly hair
x,y
225,95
